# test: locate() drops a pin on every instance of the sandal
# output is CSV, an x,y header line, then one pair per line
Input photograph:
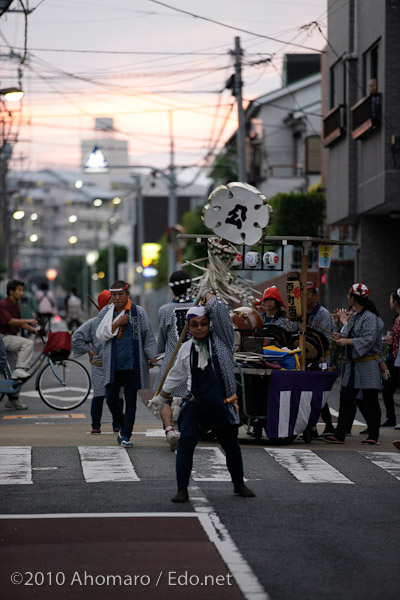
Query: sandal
x,y
333,440
370,442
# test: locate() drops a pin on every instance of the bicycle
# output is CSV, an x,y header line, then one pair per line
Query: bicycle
x,y
62,383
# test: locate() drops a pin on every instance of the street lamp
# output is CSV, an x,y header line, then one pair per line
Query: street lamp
x,y
91,258
12,94
7,139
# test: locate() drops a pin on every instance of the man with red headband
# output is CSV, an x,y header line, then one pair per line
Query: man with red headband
x,y
84,341
130,350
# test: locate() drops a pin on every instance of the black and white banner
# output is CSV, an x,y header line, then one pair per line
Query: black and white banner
x,y
295,400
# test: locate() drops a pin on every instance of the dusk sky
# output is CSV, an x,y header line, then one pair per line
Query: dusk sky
x,y
138,60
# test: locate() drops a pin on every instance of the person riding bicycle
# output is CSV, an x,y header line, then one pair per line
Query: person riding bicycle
x,y
46,304
18,346
73,307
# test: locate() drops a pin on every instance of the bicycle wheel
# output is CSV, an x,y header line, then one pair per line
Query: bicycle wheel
x,y
64,384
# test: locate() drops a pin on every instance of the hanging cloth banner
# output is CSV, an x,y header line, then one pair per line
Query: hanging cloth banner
x,y
293,292
325,253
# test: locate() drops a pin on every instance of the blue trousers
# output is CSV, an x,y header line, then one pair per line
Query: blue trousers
x,y
189,427
96,411
126,380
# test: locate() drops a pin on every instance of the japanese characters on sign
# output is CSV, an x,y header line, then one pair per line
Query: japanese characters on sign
x,y
325,253
237,212
293,291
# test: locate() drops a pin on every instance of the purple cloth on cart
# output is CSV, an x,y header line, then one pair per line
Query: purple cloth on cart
x,y
296,399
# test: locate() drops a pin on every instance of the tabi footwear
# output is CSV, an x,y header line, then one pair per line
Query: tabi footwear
x,y
244,491
181,496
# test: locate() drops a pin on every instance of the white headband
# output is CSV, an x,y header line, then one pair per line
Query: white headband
x,y
195,311
121,289
175,283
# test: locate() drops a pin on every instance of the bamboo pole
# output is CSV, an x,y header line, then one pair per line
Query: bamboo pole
x,y
303,324
93,301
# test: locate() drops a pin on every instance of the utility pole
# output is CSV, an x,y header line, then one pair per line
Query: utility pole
x,y
111,255
6,254
241,131
140,229
172,204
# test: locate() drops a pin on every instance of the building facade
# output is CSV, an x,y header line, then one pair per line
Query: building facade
x,y
361,134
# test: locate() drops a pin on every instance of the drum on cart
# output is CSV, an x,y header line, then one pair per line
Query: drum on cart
x,y
317,344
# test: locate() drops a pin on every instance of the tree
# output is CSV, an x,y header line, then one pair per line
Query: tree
x,y
224,168
300,214
71,272
120,256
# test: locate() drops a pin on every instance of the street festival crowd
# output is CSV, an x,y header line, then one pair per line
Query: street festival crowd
x,y
195,388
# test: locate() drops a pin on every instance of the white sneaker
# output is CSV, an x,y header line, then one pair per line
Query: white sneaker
x,y
20,374
15,405
172,438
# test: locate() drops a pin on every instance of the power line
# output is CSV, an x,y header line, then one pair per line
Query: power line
x,y
267,37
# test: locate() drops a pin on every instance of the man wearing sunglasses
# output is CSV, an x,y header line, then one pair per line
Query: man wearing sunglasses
x,y
206,362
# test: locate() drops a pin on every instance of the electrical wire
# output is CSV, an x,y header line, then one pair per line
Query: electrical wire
x,y
196,16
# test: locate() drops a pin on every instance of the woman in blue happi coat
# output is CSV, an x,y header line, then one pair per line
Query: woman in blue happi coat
x,y
361,340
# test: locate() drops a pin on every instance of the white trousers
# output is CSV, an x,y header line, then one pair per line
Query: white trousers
x,y
21,348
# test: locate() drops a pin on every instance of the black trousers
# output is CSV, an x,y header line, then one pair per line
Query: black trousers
x,y
189,436
369,407
389,388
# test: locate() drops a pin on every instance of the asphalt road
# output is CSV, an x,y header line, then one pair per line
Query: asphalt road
x,y
325,521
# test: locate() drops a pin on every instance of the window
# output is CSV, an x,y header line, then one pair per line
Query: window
x,y
337,85
370,61
313,155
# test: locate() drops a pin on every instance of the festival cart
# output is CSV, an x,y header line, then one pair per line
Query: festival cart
x,y
280,401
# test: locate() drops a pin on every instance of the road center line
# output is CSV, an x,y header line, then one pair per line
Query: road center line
x,y
241,571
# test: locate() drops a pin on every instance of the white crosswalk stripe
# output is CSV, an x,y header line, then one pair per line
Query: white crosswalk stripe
x,y
209,464
102,464
306,466
389,461
106,463
15,465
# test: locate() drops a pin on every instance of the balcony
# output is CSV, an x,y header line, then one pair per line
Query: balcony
x,y
285,171
333,125
366,116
